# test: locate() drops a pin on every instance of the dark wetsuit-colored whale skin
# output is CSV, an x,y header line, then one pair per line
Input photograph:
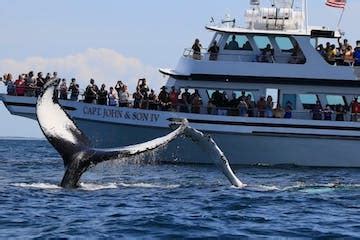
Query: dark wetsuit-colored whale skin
x,y
74,147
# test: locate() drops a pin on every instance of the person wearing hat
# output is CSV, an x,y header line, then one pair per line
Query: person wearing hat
x,y
164,99
197,49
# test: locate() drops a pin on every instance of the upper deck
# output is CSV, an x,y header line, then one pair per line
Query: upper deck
x,y
240,56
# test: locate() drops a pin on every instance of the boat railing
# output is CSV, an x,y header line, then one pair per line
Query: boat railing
x,y
204,55
221,111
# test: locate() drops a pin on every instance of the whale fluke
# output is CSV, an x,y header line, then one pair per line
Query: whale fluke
x,y
214,152
74,147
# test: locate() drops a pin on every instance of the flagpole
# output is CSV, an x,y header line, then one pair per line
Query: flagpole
x,y
341,17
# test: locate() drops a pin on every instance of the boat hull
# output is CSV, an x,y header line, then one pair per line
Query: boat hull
x,y
245,141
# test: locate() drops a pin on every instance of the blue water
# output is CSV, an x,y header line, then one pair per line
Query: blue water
x,y
123,200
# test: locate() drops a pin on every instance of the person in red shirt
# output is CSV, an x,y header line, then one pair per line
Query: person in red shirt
x,y
174,99
20,86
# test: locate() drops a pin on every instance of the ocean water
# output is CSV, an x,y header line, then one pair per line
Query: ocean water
x,y
138,201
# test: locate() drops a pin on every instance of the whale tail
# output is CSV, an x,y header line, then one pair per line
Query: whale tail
x,y
72,144
57,126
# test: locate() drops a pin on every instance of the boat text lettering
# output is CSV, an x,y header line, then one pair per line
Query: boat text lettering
x,y
120,114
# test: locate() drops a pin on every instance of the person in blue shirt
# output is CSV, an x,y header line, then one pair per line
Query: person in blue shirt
x,y
357,54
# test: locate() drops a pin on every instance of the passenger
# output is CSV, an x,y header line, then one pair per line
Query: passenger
x,y
118,87
91,92
233,44
317,111
321,50
343,46
251,106
243,96
123,96
185,101
11,89
102,95
63,90
288,110
247,46
164,99
297,56
197,50
328,113
217,97
113,97
357,54
340,112
153,105
243,107
223,104
143,87
20,86
267,54
214,51
138,98
8,81
174,99
349,56
234,105
261,107
48,77
278,111
74,90
269,107
196,102
30,85
331,54
40,82
355,110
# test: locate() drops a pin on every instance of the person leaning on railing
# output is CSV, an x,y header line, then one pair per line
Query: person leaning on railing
x,y
196,49
214,51
74,90
20,86
30,85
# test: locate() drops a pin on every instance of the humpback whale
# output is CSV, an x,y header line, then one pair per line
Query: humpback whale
x,y
78,154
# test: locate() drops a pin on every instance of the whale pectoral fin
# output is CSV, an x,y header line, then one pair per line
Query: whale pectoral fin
x,y
218,157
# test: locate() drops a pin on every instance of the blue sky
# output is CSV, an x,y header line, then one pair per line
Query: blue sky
x,y
112,39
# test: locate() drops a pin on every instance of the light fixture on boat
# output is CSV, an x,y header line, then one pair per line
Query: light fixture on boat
x,y
254,2
227,20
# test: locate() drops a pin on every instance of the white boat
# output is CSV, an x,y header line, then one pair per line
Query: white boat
x,y
299,80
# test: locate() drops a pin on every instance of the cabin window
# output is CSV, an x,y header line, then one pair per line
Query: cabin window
x,y
238,42
262,41
284,44
335,100
289,98
308,100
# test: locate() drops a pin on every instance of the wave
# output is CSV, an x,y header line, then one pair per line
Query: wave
x,y
149,185
97,187
44,186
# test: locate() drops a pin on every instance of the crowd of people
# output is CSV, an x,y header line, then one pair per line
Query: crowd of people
x,y
176,100
343,55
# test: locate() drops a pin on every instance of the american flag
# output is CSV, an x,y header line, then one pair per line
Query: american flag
x,y
336,3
